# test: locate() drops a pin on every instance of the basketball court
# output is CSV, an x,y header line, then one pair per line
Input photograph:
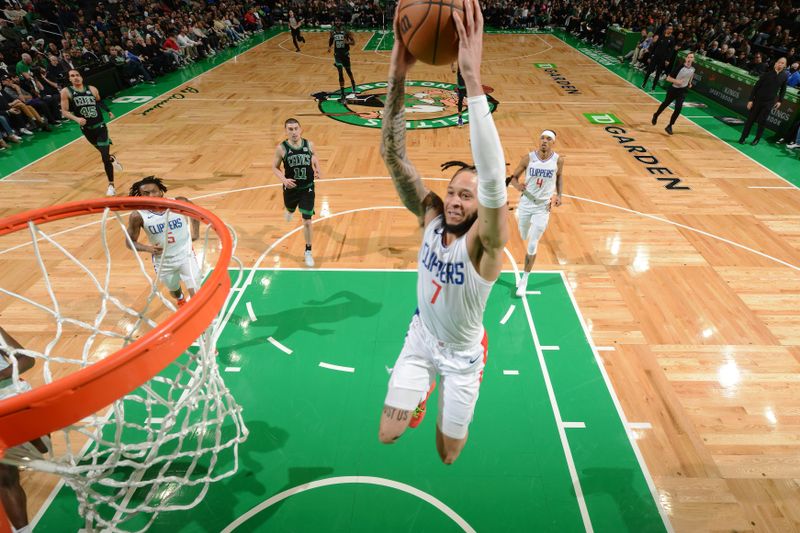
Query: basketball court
x,y
644,383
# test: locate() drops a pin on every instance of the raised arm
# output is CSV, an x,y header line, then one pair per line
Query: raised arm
x,y
486,149
405,177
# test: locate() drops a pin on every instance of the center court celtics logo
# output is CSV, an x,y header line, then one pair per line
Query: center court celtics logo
x,y
429,105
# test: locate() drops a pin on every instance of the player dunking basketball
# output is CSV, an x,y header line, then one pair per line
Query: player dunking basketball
x,y
12,495
170,239
342,39
540,192
459,261
82,104
300,170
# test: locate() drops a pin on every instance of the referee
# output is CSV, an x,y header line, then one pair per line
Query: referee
x,y
766,96
681,83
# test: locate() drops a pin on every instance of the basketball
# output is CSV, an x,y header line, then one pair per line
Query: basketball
x,y
428,30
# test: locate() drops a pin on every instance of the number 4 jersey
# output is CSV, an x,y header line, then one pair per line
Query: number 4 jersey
x,y
540,182
451,294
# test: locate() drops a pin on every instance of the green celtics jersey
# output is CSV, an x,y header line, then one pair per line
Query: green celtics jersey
x,y
84,104
341,48
297,163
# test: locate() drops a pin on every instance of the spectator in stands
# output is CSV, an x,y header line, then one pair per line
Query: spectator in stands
x,y
767,94
25,63
757,67
16,102
713,50
730,57
794,75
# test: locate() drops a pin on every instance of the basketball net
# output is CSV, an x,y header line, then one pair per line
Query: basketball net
x,y
157,447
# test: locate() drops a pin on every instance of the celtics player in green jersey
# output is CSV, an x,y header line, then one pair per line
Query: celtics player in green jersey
x,y
300,169
82,104
341,40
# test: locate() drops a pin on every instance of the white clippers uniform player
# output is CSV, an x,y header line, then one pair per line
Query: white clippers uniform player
x,y
177,262
446,335
540,192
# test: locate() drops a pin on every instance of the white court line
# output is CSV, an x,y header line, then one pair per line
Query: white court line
x,y
574,425
533,293
233,369
605,348
22,181
148,103
369,480
279,346
756,187
698,116
597,63
684,226
639,425
250,312
337,367
511,372
508,314
551,395
551,348
642,465
249,280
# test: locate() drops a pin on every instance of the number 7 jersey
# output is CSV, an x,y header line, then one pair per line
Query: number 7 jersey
x,y
451,295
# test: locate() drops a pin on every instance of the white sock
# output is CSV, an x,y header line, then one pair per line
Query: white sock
x,y
25,529
524,280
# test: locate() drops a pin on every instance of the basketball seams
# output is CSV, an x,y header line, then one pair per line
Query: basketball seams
x,y
429,50
419,24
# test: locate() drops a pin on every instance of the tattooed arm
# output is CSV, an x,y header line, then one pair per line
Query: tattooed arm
x,y
407,180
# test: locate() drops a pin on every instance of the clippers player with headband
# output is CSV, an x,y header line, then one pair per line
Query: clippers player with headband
x,y
170,239
460,257
541,191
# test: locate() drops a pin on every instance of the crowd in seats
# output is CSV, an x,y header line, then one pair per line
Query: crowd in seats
x,y
41,40
748,34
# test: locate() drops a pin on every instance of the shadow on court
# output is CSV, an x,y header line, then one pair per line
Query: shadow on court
x,y
223,496
618,485
310,317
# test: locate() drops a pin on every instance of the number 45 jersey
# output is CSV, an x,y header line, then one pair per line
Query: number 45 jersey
x,y
84,104
451,294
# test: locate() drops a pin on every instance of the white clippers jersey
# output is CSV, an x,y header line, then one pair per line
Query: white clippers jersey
x,y
540,178
451,295
173,235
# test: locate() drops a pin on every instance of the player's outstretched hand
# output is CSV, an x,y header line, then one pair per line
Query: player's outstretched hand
x,y
470,38
402,60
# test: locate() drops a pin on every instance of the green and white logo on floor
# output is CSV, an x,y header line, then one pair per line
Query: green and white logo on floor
x,y
602,118
429,105
544,65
